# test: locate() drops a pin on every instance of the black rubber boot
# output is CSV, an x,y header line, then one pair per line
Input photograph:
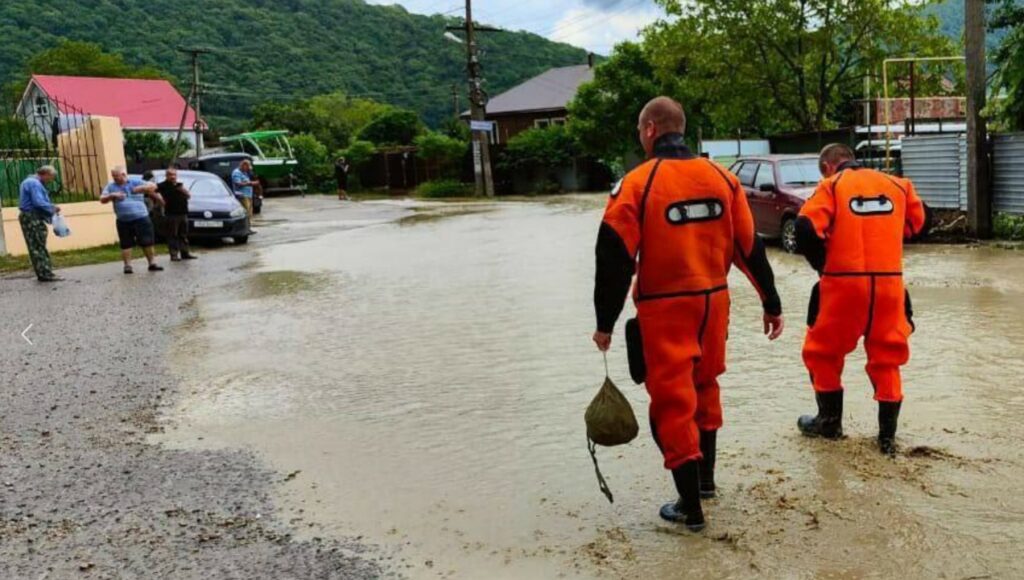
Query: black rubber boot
x,y
888,418
686,510
708,444
829,421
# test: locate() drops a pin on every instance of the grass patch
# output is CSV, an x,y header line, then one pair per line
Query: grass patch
x,y
72,258
1008,227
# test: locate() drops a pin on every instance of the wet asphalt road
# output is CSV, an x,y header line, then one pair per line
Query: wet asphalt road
x,y
82,494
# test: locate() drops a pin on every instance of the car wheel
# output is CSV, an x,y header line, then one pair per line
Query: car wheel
x,y
789,235
241,240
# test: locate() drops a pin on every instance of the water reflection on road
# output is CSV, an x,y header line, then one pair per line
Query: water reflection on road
x,y
428,378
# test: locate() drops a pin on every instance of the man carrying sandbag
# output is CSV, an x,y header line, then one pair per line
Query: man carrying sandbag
x,y
679,222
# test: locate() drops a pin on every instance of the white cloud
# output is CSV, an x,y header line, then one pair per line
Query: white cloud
x,y
598,29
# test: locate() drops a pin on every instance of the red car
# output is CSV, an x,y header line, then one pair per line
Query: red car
x,y
777,187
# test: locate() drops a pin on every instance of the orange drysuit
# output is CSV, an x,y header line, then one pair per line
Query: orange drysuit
x,y
852,231
679,222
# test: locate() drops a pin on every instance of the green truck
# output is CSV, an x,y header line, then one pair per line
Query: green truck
x,y
273,160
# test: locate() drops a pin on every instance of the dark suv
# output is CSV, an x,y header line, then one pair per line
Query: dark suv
x,y
777,187
221,165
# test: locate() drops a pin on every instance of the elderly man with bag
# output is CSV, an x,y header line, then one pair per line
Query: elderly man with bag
x,y
36,212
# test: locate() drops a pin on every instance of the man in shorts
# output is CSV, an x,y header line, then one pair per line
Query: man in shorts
x,y
134,228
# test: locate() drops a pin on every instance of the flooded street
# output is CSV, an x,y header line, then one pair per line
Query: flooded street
x,y
419,375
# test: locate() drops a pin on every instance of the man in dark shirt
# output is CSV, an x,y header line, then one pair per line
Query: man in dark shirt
x,y
176,215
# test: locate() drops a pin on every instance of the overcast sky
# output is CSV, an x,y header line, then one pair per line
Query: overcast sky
x,y
596,25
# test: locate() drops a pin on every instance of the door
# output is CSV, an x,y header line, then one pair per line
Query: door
x,y
764,201
747,172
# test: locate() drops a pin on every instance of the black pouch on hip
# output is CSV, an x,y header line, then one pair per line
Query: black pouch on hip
x,y
635,351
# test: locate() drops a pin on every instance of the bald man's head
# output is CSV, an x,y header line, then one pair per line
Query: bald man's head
x,y
662,115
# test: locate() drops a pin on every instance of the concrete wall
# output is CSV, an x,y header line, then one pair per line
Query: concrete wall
x,y
91,223
88,153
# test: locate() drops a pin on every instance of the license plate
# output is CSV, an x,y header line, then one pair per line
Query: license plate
x,y
208,224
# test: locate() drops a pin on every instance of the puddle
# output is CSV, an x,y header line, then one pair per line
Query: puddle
x,y
283,283
423,385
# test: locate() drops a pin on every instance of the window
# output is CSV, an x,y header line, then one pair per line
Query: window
x,y
542,123
765,175
559,122
800,172
746,173
495,136
208,187
42,107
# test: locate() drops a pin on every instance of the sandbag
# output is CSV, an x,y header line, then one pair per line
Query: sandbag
x,y
609,417
610,422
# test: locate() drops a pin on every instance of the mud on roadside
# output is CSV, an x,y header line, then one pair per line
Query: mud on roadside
x,y
83,494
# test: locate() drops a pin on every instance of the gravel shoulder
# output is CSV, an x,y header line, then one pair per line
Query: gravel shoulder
x,y
82,494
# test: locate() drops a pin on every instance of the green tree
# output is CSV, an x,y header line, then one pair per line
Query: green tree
x,y
395,127
442,149
359,153
603,115
315,168
1009,61
333,118
799,63
546,148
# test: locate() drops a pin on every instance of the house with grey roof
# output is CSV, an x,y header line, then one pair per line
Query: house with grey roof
x,y
538,102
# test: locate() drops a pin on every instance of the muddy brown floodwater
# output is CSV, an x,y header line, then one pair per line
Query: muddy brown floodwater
x,y
422,384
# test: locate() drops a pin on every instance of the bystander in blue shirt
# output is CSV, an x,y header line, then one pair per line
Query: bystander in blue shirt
x,y
34,199
239,177
133,206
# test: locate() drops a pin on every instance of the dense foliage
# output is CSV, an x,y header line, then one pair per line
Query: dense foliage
x,y
281,49
540,148
754,66
1009,60
141,146
393,127
444,151
334,119
316,169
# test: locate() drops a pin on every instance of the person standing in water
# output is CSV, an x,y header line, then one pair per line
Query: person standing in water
x,y
852,232
679,222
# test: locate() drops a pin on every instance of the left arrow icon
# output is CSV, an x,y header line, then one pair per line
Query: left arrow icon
x,y
24,334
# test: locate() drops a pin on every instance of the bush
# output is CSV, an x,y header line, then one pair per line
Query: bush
x,y
1008,227
445,151
444,188
547,148
316,169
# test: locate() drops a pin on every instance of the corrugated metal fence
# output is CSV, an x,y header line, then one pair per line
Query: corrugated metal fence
x,y
1008,173
937,164
933,163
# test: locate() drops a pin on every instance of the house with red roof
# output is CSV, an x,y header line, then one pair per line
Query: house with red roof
x,y
50,103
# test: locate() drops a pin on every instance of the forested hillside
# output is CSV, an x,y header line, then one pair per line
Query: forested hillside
x,y
281,49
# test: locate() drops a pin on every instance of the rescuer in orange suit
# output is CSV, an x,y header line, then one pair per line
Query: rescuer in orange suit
x,y
679,222
852,232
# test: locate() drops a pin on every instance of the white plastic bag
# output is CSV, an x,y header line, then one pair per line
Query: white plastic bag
x,y
60,227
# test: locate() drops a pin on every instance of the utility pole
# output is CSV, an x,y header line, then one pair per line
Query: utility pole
x,y
478,111
455,101
194,98
979,191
